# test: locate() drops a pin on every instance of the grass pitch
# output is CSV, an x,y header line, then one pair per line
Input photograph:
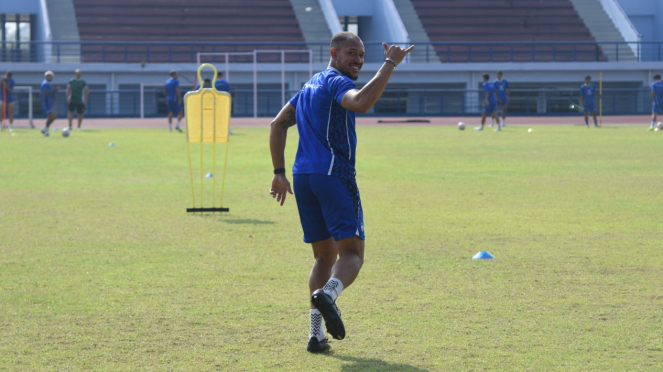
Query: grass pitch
x,y
101,268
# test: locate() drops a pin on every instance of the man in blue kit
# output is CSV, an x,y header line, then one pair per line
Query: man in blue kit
x,y
7,87
587,93
174,100
220,83
503,92
489,104
657,97
324,173
48,101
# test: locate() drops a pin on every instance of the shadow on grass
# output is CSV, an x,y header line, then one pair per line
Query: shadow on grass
x,y
248,222
377,365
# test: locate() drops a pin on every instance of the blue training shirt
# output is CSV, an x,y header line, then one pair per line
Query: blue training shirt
x,y
170,85
10,84
490,88
588,92
222,85
501,87
327,137
657,88
46,88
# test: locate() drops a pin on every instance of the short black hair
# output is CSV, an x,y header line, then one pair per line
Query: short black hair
x,y
499,73
207,80
340,38
486,77
657,77
9,74
219,73
172,72
588,77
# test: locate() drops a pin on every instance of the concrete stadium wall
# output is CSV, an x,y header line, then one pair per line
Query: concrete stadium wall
x,y
646,16
379,21
23,6
43,32
27,7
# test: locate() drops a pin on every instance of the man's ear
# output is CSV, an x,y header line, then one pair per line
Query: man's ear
x,y
333,52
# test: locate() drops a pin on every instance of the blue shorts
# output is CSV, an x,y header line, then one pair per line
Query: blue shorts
x,y
492,106
656,108
48,108
10,98
505,102
590,107
173,106
328,206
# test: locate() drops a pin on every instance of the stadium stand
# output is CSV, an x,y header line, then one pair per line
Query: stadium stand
x,y
63,27
176,20
505,21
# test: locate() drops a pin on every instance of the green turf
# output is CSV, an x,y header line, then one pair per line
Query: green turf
x,y
101,268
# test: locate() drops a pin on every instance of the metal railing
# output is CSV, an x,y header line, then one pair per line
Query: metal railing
x,y
427,52
402,102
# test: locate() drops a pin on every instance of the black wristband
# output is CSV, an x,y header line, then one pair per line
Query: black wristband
x,y
279,170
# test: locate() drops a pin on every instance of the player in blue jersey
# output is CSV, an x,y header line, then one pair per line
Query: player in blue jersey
x,y
587,93
657,97
220,83
489,104
48,101
7,87
173,100
503,93
326,191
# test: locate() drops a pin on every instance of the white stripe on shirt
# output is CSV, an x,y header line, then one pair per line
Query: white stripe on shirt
x,y
347,133
328,143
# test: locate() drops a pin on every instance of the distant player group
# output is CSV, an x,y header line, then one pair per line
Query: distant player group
x,y
495,97
77,95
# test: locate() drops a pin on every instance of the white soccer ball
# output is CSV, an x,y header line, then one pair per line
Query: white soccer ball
x,y
65,132
461,126
659,125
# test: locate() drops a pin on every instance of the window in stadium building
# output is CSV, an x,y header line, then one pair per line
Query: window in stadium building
x,y
16,32
350,23
10,29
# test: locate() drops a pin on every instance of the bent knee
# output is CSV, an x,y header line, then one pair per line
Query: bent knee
x,y
327,260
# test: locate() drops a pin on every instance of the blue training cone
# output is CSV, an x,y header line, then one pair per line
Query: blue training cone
x,y
111,144
483,255
209,175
